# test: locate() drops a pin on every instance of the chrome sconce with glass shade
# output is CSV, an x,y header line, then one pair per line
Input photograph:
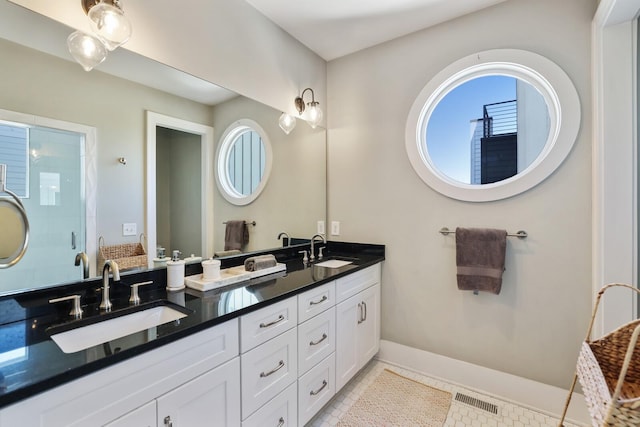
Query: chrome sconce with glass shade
x,y
110,27
313,114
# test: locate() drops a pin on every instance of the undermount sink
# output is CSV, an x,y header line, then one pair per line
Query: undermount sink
x,y
333,263
142,318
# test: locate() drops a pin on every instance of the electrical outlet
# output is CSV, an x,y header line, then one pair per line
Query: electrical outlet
x,y
129,229
335,228
320,227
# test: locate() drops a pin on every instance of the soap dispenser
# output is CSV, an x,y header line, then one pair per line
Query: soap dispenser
x,y
175,272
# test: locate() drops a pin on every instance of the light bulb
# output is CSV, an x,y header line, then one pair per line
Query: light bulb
x,y
86,49
287,122
314,116
110,24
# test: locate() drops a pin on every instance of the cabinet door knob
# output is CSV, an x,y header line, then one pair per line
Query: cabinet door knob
x,y
266,325
266,374
323,299
324,384
324,337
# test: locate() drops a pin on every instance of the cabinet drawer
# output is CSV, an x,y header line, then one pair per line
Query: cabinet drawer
x,y
352,284
282,410
316,340
316,300
266,323
315,389
267,370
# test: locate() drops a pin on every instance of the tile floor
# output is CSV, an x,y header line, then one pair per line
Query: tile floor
x,y
460,414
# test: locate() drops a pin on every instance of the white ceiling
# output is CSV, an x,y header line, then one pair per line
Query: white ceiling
x,y
334,28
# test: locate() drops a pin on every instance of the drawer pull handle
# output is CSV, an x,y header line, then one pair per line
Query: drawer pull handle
x,y
324,384
281,423
323,299
324,337
168,422
361,316
266,325
364,304
266,374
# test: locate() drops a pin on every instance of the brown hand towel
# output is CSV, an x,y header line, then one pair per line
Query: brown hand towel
x,y
236,235
480,254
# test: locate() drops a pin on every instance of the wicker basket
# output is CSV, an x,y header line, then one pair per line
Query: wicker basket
x,y
127,255
608,369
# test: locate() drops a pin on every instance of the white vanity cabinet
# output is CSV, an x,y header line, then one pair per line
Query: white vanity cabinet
x,y
130,388
192,404
269,361
357,323
275,366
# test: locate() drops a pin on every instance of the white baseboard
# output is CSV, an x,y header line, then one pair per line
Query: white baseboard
x,y
524,392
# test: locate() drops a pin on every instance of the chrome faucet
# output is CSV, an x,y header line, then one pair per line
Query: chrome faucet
x,y
82,257
313,239
106,303
282,233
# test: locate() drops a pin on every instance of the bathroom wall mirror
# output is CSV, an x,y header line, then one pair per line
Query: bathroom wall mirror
x,y
243,162
492,125
40,78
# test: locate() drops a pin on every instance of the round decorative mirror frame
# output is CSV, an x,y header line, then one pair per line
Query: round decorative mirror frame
x,y
548,78
228,140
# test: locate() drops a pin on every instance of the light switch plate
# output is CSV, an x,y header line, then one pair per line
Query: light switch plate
x,y
335,228
320,227
129,229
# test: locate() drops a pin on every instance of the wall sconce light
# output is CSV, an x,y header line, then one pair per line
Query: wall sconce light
x,y
112,29
287,122
314,114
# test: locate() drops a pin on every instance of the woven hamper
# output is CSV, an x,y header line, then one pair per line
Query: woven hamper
x,y
127,255
608,369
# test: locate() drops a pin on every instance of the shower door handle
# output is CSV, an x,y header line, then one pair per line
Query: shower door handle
x,y
73,240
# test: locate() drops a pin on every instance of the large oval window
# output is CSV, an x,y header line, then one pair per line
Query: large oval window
x,y
492,125
243,162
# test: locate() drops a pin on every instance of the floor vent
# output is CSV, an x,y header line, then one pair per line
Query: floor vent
x,y
481,404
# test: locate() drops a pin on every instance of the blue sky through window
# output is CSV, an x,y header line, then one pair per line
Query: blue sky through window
x,y
449,129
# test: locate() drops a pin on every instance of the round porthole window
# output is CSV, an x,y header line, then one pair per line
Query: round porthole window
x,y
492,125
243,162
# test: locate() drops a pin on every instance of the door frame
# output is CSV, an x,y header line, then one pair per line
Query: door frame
x,y
206,142
615,201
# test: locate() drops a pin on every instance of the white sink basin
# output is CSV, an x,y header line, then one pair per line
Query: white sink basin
x,y
107,330
333,263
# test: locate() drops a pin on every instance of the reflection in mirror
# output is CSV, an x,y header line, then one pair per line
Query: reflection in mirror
x,y
51,85
243,162
487,129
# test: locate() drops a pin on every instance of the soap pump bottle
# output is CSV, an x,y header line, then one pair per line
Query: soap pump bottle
x,y
175,272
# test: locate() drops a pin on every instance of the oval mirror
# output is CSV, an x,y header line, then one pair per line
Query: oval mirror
x,y
492,125
243,162
14,226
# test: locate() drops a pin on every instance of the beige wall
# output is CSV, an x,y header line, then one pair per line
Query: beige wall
x,y
294,197
534,327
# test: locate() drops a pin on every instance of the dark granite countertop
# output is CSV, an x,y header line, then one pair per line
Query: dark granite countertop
x,y
31,363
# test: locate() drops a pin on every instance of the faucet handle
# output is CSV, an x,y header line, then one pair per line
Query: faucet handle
x,y
76,311
134,298
304,256
320,255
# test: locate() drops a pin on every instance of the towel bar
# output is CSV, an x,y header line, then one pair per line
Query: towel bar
x,y
520,234
246,222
